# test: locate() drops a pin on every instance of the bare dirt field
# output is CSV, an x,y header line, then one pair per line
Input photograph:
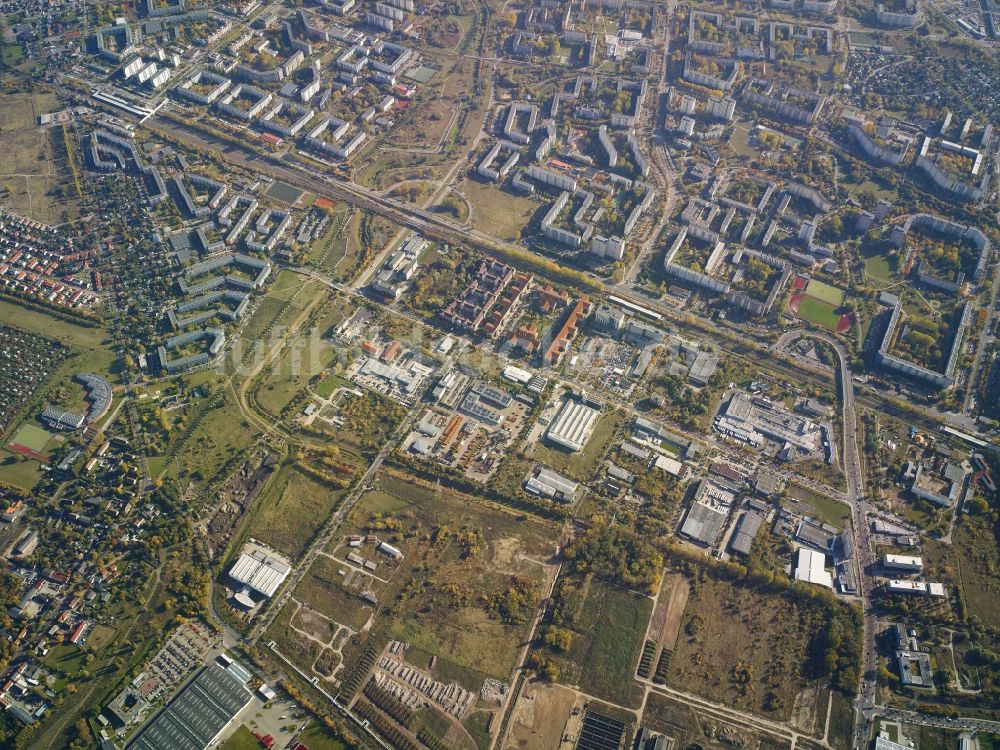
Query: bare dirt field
x,y
315,624
540,716
666,621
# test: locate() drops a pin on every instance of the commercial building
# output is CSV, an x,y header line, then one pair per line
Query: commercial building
x,y
258,571
745,532
810,566
547,483
915,669
196,717
574,423
900,586
903,562
703,523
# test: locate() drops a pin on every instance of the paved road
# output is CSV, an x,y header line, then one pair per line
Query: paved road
x,y
859,530
958,724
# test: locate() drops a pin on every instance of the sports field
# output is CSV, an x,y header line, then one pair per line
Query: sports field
x,y
829,294
282,191
33,437
814,310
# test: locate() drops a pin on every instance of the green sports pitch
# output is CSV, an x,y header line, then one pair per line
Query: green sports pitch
x,y
824,292
32,437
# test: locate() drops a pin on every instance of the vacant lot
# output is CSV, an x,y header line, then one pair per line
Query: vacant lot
x,y
495,212
666,621
35,176
291,510
819,507
972,562
742,647
540,716
608,623
466,588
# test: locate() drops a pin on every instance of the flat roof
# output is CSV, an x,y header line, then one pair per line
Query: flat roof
x,y
810,566
196,716
260,571
703,522
573,425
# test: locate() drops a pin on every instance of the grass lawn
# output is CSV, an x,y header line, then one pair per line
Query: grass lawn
x,y
880,267
819,312
825,292
293,507
615,645
579,465
242,739
824,508
496,212
318,737
19,471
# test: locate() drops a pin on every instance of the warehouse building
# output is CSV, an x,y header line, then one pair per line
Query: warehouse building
x,y
547,483
259,571
746,530
703,523
202,711
574,423
810,566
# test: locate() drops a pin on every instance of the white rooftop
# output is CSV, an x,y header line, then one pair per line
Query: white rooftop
x,y
572,426
260,571
810,566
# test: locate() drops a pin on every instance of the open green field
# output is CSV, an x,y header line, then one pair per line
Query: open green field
x,y
819,312
819,507
242,739
730,631
291,510
496,212
878,266
318,737
19,471
579,465
221,434
283,192
91,344
608,627
971,561
825,292
33,437
305,357
324,590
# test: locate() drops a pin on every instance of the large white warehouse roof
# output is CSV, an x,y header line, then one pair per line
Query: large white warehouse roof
x,y
261,572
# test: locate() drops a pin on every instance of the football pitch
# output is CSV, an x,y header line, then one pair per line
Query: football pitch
x,y
33,437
